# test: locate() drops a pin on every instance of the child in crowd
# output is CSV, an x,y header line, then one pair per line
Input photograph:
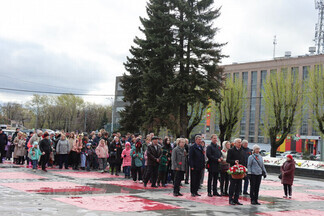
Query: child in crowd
x,y
127,160
9,148
138,161
102,153
34,155
90,156
163,168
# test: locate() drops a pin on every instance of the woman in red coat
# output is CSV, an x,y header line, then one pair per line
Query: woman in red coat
x,y
288,173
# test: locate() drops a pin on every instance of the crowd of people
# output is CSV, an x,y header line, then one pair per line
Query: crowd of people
x,y
148,159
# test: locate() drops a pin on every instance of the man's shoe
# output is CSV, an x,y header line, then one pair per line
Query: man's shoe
x,y
217,194
210,195
253,203
257,203
44,170
175,194
238,203
180,194
231,202
246,193
193,195
154,186
186,182
197,194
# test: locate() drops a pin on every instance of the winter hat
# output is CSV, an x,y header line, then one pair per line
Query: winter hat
x,y
88,144
256,147
35,143
289,156
128,144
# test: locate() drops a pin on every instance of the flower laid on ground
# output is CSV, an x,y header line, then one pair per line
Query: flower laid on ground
x,y
237,170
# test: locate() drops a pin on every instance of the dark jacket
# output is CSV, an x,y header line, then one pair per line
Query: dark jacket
x,y
115,156
45,146
196,157
3,139
288,172
213,154
153,154
233,154
247,152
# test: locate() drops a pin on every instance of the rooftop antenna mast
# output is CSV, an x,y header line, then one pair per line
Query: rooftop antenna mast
x,y
274,46
319,27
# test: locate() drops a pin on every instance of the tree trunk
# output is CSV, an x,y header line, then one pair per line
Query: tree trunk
x,y
273,150
183,120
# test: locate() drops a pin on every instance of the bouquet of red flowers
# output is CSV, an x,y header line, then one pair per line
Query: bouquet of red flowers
x,y
237,171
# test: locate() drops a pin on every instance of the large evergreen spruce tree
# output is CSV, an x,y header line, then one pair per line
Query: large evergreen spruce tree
x,y
174,67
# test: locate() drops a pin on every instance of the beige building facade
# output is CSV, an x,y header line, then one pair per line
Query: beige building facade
x,y
253,75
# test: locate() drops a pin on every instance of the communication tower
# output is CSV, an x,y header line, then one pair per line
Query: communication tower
x,y
319,27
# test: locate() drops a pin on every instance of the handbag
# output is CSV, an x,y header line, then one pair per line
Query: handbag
x,y
280,176
263,172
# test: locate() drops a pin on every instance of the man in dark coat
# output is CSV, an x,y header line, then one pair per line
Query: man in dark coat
x,y
45,148
3,143
235,155
247,154
197,164
214,156
154,153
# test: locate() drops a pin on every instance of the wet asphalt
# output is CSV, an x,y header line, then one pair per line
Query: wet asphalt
x,y
68,192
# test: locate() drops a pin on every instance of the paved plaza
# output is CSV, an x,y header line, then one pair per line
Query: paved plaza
x,y
68,192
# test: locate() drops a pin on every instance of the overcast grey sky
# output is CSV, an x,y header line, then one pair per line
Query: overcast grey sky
x,y
79,46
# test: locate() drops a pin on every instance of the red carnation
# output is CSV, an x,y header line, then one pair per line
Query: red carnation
x,y
180,163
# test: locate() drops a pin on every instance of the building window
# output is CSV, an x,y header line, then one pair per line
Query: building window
x,y
295,72
273,72
251,139
305,72
235,76
254,76
260,139
228,76
245,76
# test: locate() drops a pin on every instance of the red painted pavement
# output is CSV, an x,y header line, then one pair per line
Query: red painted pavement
x,y
92,175
295,213
216,201
116,203
49,187
277,183
19,175
296,196
133,185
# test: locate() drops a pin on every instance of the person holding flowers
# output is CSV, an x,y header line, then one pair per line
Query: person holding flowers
x,y
235,156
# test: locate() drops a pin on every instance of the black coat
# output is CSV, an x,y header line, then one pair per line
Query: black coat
x,y
3,139
233,154
213,154
247,152
196,157
45,146
153,154
115,155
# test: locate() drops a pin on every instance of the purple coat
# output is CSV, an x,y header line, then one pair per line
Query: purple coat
x,y
288,172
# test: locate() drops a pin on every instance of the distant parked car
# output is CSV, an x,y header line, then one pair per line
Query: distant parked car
x,y
289,153
9,132
279,155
